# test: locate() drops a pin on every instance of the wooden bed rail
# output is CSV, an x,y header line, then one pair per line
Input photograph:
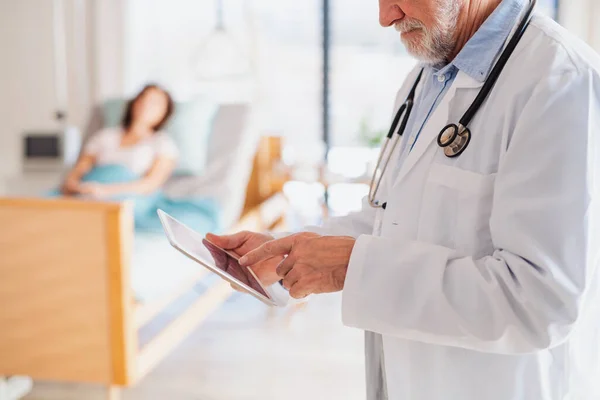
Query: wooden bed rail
x,y
65,295
66,304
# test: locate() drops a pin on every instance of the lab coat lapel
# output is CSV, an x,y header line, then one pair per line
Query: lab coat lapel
x,y
438,120
464,81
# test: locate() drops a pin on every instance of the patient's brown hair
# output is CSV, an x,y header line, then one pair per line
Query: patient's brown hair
x,y
128,116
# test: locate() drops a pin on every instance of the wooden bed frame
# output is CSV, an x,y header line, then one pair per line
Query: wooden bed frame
x,y
67,311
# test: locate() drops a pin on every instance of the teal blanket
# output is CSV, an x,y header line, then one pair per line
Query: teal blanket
x,y
200,214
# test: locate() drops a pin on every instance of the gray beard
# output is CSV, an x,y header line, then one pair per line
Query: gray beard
x,y
439,42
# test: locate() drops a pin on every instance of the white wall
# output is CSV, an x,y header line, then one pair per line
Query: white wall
x,y
108,48
94,66
581,17
593,26
26,74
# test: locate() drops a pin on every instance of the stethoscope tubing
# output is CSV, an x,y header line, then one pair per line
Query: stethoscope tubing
x,y
499,67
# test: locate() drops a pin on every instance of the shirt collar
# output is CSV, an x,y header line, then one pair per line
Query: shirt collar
x,y
477,57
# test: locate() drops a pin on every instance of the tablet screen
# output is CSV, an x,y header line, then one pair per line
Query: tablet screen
x,y
231,266
197,247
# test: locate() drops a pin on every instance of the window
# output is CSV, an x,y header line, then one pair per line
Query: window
x,y
368,66
281,39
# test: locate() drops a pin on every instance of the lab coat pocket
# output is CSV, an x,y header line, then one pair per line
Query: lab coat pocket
x,y
461,202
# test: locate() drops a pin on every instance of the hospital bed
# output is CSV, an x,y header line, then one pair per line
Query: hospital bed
x,y
84,298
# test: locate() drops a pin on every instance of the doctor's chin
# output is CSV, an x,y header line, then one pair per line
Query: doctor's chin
x,y
291,200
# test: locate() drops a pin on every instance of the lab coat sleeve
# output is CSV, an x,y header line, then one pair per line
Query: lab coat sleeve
x,y
528,294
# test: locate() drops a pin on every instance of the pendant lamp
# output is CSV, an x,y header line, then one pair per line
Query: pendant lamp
x,y
220,56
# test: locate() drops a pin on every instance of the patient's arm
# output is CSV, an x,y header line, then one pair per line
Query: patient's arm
x,y
72,183
154,179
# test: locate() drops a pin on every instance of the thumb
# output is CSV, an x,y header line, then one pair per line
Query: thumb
x,y
228,242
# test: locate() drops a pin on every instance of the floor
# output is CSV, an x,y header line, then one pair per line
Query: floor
x,y
247,352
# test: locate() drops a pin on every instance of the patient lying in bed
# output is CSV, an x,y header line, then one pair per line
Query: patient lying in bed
x,y
134,159
133,162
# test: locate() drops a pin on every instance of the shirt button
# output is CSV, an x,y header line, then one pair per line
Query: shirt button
x,y
442,78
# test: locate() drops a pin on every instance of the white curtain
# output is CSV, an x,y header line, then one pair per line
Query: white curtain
x,y
580,17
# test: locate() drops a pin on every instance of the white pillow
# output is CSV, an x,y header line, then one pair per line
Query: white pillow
x,y
190,127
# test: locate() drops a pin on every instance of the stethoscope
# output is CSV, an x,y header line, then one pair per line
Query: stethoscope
x,y
454,138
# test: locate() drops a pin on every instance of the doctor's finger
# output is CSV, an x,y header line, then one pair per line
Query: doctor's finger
x,y
272,248
228,241
285,266
291,279
301,289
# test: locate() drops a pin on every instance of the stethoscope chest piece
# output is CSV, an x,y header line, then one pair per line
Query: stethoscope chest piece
x,y
454,139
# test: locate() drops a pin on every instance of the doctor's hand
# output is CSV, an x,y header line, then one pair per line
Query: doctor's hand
x,y
314,264
244,242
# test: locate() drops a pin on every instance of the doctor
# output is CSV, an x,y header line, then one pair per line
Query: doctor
x,y
479,278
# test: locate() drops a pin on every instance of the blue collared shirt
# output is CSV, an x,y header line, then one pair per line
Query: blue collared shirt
x,y
476,60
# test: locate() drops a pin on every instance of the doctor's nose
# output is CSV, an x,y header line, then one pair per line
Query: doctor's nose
x,y
389,12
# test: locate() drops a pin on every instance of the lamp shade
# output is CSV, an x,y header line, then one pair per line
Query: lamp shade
x,y
220,56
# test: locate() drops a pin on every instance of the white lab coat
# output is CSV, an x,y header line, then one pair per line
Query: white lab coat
x,y
481,281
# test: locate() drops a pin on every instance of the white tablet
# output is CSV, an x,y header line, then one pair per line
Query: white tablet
x,y
223,263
